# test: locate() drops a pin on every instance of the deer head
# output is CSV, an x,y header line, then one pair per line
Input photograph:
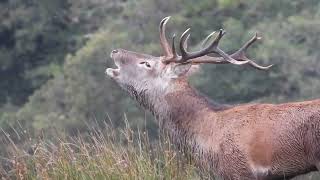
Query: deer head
x,y
143,74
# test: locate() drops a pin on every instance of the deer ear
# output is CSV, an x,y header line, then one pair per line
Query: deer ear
x,y
179,70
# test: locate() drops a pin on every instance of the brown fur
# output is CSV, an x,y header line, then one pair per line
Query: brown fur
x,y
283,138
250,141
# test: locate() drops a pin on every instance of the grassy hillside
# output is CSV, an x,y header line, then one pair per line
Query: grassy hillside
x,y
104,153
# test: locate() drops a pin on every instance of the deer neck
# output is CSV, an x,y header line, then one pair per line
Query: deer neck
x,y
178,107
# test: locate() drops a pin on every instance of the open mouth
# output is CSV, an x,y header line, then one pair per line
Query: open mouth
x,y
113,72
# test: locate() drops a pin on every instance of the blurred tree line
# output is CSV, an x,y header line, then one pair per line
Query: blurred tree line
x,y
53,55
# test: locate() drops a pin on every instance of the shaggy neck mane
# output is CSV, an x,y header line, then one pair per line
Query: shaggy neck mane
x,y
178,108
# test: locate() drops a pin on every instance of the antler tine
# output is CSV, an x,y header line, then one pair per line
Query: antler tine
x,y
174,55
183,44
240,54
205,41
174,52
163,40
214,48
259,67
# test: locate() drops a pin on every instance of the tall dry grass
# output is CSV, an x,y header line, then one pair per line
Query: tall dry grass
x,y
104,153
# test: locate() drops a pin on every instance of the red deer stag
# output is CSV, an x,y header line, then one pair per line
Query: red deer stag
x,y
250,141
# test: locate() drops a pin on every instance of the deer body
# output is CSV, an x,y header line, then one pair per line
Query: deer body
x,y
251,141
264,140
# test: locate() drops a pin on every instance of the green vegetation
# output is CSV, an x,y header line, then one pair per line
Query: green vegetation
x,y
53,55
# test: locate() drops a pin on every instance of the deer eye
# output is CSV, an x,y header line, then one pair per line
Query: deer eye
x,y
146,64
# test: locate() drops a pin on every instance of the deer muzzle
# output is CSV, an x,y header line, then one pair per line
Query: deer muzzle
x,y
113,72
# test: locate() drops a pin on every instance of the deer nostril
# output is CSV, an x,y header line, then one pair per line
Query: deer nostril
x,y
115,51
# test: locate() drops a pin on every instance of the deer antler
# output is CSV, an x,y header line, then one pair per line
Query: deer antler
x,y
201,56
163,40
239,55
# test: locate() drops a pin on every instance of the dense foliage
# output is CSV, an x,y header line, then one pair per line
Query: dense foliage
x,y
53,55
